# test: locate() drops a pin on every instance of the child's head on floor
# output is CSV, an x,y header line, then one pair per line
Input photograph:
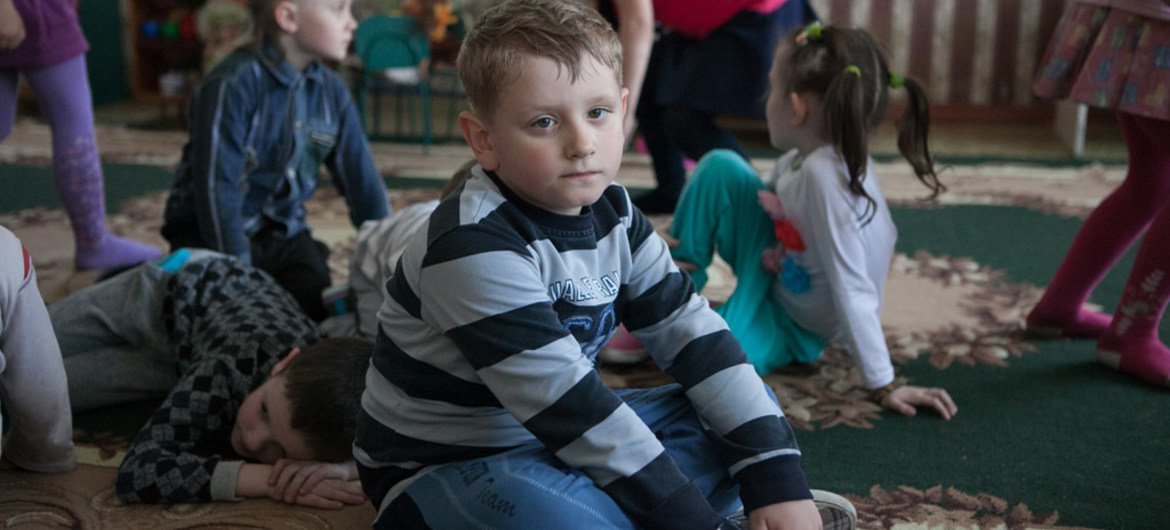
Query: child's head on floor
x,y
308,407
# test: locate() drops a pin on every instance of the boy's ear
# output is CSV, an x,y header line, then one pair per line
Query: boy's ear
x,y
625,100
478,136
280,366
285,14
799,108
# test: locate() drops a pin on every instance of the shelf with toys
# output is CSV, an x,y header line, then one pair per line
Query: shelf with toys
x,y
171,42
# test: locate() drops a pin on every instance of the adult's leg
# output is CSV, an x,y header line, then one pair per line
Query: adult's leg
x,y
298,264
63,93
665,157
720,211
1108,232
1131,343
114,340
696,133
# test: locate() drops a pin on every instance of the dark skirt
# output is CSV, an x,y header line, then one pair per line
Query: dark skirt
x,y
725,72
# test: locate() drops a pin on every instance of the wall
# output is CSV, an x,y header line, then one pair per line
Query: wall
x,y
101,21
964,52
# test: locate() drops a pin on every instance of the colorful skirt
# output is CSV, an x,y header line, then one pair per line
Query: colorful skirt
x,y
1108,58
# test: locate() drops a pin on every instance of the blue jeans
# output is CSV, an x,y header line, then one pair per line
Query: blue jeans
x,y
528,487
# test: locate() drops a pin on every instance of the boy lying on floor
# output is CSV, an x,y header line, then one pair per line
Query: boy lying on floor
x,y
257,404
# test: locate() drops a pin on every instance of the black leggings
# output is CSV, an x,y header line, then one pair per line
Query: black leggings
x,y
299,264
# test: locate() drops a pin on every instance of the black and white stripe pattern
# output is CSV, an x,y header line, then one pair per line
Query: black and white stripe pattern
x,y
489,335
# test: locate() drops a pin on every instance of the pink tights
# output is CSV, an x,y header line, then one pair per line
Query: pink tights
x,y
1129,341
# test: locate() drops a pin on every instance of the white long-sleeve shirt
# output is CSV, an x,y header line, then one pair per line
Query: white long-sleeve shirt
x,y
32,374
847,258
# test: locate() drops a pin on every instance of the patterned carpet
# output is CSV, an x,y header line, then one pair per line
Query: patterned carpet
x,y
950,320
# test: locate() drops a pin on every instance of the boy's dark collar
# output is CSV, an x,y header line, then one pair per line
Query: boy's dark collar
x,y
273,59
572,223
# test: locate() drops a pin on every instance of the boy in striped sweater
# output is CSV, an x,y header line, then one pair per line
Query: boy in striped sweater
x,y
483,406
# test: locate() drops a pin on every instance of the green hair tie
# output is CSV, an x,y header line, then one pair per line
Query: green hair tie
x,y
853,69
896,80
811,32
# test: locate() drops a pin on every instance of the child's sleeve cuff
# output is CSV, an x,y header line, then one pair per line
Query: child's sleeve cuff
x,y
772,481
223,480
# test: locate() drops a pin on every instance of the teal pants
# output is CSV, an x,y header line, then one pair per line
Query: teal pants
x,y
720,212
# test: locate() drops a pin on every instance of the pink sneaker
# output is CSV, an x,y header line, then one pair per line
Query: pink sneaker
x,y
623,348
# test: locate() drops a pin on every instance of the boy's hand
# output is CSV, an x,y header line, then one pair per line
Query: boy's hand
x,y
332,494
791,515
907,398
770,202
292,479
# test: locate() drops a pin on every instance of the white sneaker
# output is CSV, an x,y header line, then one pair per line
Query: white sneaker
x,y
837,513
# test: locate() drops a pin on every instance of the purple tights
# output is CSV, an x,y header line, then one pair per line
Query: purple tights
x,y
63,94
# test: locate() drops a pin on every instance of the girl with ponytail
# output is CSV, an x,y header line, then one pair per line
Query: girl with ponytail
x,y
811,243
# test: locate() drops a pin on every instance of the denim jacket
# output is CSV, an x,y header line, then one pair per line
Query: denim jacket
x,y
259,132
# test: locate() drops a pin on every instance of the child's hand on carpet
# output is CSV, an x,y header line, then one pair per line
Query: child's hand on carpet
x,y
291,479
907,398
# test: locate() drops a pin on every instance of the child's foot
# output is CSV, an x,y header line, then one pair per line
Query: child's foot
x,y
1149,360
1084,324
113,252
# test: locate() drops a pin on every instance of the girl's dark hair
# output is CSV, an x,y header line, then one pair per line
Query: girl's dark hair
x,y
848,70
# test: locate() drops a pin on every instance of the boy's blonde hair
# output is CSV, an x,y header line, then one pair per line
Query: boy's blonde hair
x,y
507,34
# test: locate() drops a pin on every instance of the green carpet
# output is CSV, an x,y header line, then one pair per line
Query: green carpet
x,y
28,186
1055,430
1052,430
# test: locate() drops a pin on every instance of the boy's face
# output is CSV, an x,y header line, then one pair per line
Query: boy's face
x,y
555,143
263,429
324,29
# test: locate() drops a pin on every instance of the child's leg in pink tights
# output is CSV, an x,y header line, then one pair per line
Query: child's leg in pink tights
x,y
1108,233
63,94
1131,343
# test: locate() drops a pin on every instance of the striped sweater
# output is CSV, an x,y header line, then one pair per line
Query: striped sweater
x,y
488,339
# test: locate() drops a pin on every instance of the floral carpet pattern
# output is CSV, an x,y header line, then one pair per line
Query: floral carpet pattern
x,y
974,319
